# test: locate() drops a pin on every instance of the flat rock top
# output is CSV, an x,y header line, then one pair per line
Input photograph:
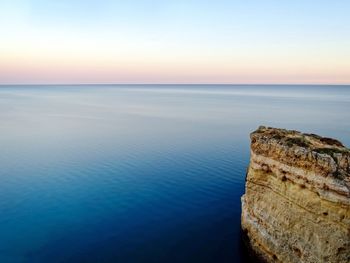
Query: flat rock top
x,y
306,140
304,150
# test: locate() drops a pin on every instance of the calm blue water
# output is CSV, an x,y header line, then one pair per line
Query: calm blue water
x,y
140,173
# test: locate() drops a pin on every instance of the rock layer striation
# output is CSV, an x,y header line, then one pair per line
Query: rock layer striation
x,y
296,206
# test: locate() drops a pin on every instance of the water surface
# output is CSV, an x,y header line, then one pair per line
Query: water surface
x,y
146,173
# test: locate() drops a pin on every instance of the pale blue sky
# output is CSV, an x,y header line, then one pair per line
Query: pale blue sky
x,y
175,41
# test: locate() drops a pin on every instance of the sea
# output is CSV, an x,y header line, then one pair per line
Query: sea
x,y
140,173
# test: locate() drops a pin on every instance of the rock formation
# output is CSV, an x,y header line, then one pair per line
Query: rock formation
x,y
296,207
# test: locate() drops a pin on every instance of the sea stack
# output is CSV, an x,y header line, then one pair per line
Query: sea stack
x,y
296,206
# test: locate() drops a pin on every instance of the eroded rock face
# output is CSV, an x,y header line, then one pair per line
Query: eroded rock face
x,y
296,207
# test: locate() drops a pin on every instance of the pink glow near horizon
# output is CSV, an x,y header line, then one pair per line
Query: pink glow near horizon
x,y
35,72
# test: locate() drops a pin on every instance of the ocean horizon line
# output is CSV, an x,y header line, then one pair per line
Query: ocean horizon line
x,y
172,84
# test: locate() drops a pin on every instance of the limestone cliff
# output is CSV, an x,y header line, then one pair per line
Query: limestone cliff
x,y
296,207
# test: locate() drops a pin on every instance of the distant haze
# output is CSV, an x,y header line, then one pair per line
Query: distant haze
x,y
179,41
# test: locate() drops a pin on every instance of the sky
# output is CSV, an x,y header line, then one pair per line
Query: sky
x,y
174,41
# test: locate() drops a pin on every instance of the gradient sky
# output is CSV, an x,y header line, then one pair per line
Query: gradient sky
x,y
175,41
